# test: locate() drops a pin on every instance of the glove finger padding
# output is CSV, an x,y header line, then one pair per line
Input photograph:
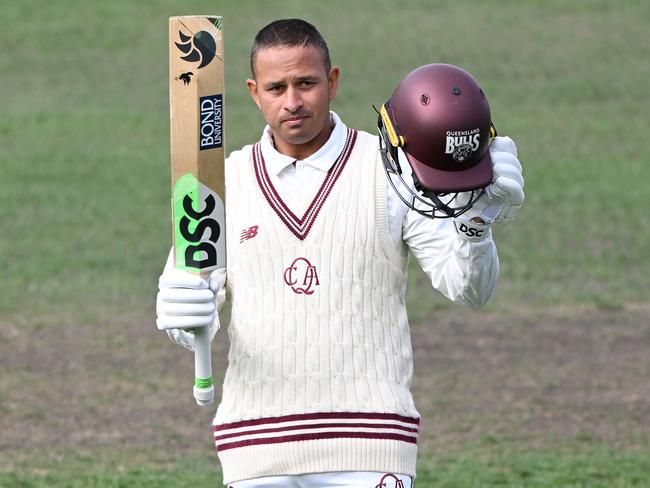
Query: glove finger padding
x,y
505,195
185,308
186,301
181,279
507,190
502,157
201,309
508,171
184,321
186,295
503,144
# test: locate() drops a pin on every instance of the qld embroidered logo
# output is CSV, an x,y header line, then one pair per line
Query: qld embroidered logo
x,y
389,480
301,276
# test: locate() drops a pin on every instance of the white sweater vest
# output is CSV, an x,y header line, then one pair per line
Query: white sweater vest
x,y
320,359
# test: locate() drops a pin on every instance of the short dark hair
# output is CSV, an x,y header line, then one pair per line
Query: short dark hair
x,y
290,32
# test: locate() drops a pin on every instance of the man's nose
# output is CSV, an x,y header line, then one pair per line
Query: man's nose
x,y
293,101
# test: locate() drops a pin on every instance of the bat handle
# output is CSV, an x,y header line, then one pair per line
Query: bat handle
x,y
203,385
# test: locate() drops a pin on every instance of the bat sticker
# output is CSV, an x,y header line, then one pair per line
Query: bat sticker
x,y
199,238
211,122
186,77
201,47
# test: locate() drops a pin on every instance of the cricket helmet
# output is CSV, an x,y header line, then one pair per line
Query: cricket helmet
x,y
438,119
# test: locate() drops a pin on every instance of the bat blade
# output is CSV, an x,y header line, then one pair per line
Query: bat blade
x,y
196,96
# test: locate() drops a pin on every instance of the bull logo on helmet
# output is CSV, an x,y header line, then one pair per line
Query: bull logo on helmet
x,y
389,480
301,276
437,126
462,153
461,144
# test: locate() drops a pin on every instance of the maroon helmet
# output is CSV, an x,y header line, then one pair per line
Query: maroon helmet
x,y
440,118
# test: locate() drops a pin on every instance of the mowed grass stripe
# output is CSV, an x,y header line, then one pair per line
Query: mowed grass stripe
x,y
600,468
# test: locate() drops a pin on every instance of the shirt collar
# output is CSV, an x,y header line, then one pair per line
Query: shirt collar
x,y
323,159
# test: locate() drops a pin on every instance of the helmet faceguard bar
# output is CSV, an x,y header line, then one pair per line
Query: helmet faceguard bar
x,y
429,204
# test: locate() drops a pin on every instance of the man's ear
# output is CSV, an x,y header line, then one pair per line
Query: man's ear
x,y
333,80
252,89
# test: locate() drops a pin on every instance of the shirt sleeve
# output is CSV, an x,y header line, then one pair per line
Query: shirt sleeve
x,y
463,269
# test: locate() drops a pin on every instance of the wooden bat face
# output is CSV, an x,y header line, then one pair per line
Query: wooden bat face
x,y
197,142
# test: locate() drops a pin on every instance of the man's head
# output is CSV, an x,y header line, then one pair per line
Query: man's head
x,y
293,84
289,33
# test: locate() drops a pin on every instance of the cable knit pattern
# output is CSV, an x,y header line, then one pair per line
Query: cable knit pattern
x,y
320,360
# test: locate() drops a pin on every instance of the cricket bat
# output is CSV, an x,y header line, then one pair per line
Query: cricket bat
x,y
196,89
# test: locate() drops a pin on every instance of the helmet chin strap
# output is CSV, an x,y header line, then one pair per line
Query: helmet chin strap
x,y
452,211
445,207
437,202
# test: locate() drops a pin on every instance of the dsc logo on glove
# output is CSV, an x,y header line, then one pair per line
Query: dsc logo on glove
x,y
465,229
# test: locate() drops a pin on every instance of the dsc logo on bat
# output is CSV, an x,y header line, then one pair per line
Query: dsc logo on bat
x,y
198,213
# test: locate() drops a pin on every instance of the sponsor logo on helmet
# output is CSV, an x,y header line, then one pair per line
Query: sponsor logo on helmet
x,y
301,276
461,153
462,143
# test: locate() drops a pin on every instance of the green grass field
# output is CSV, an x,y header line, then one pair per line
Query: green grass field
x,y
84,226
542,469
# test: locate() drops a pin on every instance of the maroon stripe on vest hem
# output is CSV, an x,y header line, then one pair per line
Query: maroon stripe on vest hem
x,y
319,416
317,426
316,437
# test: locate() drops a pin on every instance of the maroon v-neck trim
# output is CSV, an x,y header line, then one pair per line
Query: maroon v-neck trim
x,y
300,226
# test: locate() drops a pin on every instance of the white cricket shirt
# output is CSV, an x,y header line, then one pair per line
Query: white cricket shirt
x,y
462,270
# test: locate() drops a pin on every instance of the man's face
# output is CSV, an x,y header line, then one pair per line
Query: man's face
x,y
293,90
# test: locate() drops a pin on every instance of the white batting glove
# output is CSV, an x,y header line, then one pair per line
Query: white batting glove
x,y
505,195
186,301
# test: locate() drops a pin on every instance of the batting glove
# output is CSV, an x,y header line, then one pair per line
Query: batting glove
x,y
186,301
505,195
